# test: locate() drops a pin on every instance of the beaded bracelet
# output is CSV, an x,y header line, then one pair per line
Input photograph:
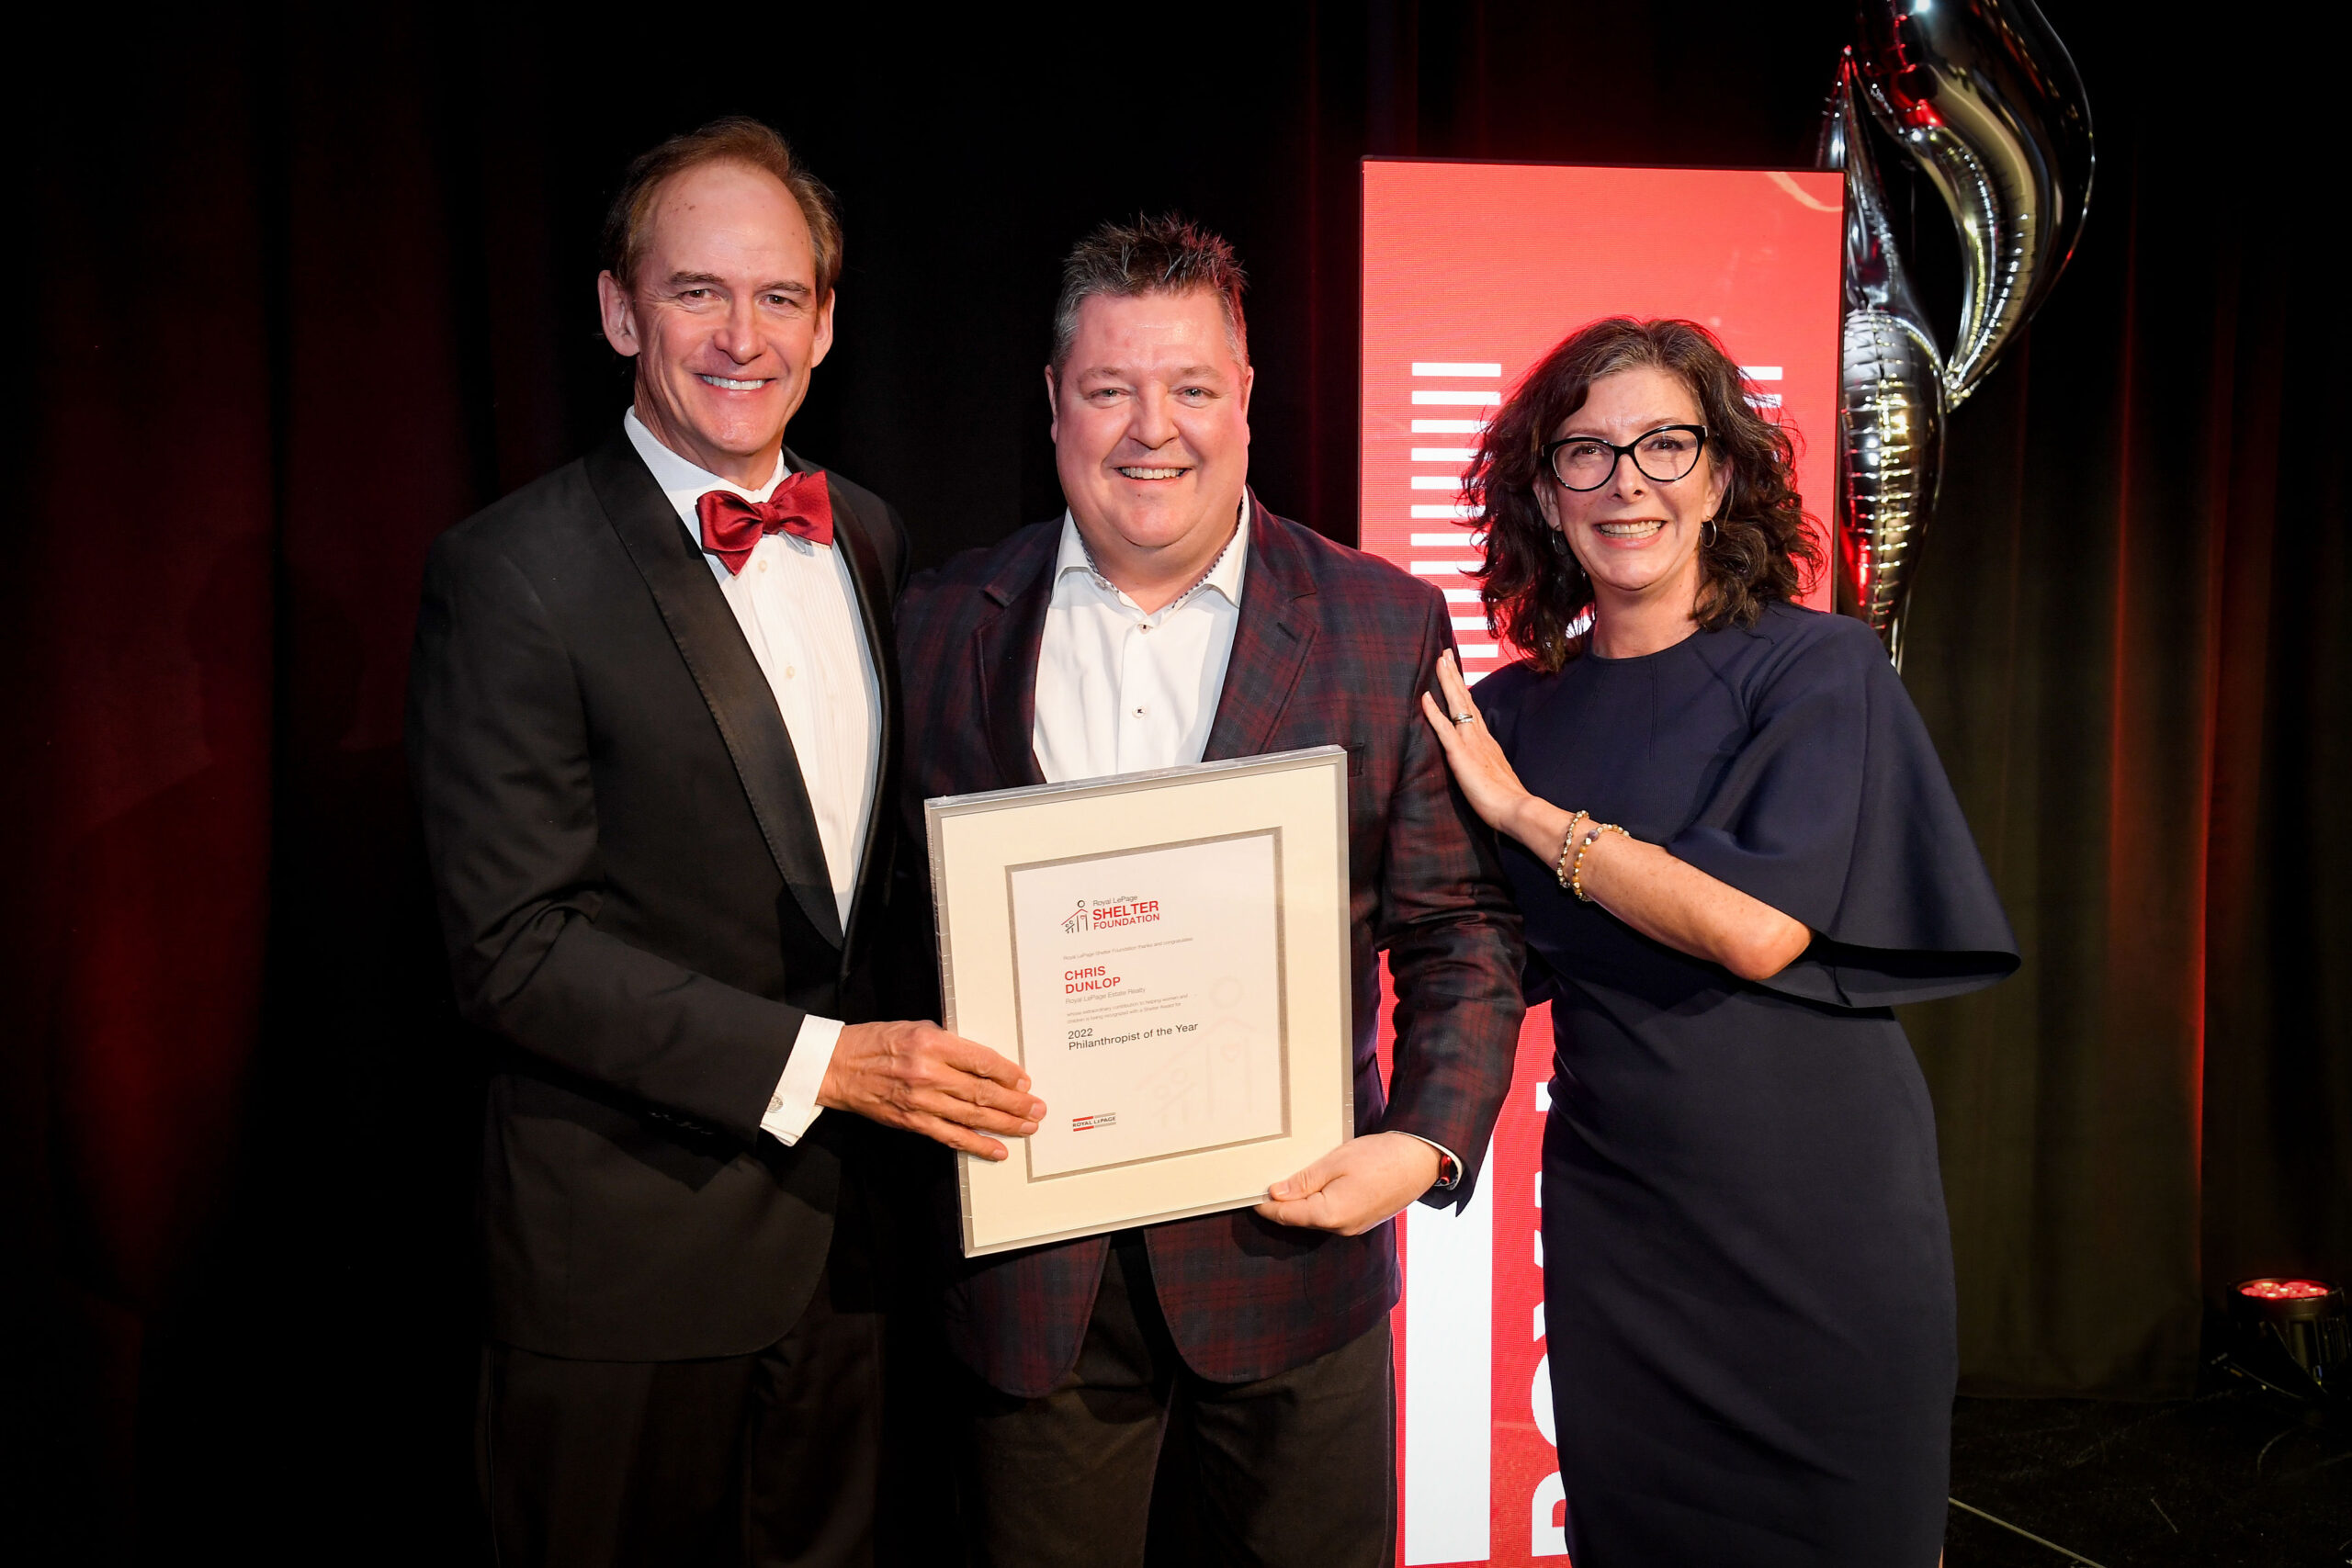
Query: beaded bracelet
x,y
1576,872
1560,866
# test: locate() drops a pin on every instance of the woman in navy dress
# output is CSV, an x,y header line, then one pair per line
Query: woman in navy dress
x,y
1736,851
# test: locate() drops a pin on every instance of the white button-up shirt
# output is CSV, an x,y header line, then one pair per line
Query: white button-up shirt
x,y
798,610
1120,691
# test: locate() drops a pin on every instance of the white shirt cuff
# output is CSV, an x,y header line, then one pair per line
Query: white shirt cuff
x,y
1442,1184
794,1105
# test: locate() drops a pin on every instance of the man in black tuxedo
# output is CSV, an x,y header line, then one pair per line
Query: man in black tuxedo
x,y
652,711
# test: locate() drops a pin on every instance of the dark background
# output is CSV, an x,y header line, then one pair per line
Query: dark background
x,y
303,288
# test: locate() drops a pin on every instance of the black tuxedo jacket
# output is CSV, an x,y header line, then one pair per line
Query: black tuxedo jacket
x,y
636,906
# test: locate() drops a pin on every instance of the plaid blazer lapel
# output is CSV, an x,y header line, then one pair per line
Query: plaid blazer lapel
x,y
1005,647
1271,641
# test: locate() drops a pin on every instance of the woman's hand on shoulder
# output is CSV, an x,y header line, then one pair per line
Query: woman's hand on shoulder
x,y
1488,780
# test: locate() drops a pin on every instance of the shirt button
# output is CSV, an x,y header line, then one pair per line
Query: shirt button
x,y
764,566
775,1102
789,671
1141,711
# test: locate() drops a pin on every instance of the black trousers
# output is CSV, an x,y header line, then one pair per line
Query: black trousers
x,y
1137,1458
737,1461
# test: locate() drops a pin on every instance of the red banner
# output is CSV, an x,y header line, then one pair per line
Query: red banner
x,y
1472,272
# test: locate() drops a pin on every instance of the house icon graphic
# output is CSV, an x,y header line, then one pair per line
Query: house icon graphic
x,y
1077,921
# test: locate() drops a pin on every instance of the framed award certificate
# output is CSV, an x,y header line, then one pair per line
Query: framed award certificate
x,y
1166,954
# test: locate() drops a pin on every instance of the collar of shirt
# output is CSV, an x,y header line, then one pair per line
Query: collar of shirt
x,y
685,482
1224,574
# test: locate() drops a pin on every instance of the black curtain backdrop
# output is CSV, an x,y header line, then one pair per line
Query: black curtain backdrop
x,y
307,287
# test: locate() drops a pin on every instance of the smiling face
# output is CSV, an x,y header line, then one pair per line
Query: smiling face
x,y
1151,437
1636,538
722,319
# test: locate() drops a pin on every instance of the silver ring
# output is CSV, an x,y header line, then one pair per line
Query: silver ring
x,y
1466,718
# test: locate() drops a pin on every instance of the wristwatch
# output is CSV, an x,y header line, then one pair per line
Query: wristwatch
x,y
1449,1169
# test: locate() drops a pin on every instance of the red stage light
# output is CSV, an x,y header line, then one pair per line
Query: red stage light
x,y
2293,1335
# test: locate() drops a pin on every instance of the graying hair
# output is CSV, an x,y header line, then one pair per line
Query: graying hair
x,y
1151,255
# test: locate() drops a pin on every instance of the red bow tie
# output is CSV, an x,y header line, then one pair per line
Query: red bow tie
x,y
732,528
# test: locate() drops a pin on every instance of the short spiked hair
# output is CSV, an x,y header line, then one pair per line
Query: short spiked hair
x,y
1151,255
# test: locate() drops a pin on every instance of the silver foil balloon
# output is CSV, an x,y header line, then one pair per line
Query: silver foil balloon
x,y
1890,396
1984,98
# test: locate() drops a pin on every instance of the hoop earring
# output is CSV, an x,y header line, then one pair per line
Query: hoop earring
x,y
1569,566
1712,533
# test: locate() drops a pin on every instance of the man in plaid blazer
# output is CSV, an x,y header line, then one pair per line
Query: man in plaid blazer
x,y
1166,618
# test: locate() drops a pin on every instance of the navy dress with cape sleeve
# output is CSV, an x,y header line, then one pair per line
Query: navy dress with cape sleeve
x,y
1748,1309
1834,810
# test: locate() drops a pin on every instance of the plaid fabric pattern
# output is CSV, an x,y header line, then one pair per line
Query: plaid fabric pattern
x,y
1333,647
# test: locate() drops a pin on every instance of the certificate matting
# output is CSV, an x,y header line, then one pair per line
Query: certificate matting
x,y
1189,1017
1167,955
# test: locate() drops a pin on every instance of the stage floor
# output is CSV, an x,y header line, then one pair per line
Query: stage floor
x,y
2238,1478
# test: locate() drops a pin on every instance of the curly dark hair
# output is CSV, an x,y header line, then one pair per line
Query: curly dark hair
x,y
1534,591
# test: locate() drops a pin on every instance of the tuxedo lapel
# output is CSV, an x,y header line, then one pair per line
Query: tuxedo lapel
x,y
1270,639
711,643
1005,647
861,550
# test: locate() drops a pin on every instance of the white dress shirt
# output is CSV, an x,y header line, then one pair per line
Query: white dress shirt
x,y
1120,691
798,611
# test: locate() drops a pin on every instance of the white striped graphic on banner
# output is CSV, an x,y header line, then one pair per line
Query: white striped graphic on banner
x,y
1449,1381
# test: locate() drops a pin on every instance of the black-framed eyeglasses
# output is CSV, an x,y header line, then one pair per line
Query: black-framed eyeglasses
x,y
1661,456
